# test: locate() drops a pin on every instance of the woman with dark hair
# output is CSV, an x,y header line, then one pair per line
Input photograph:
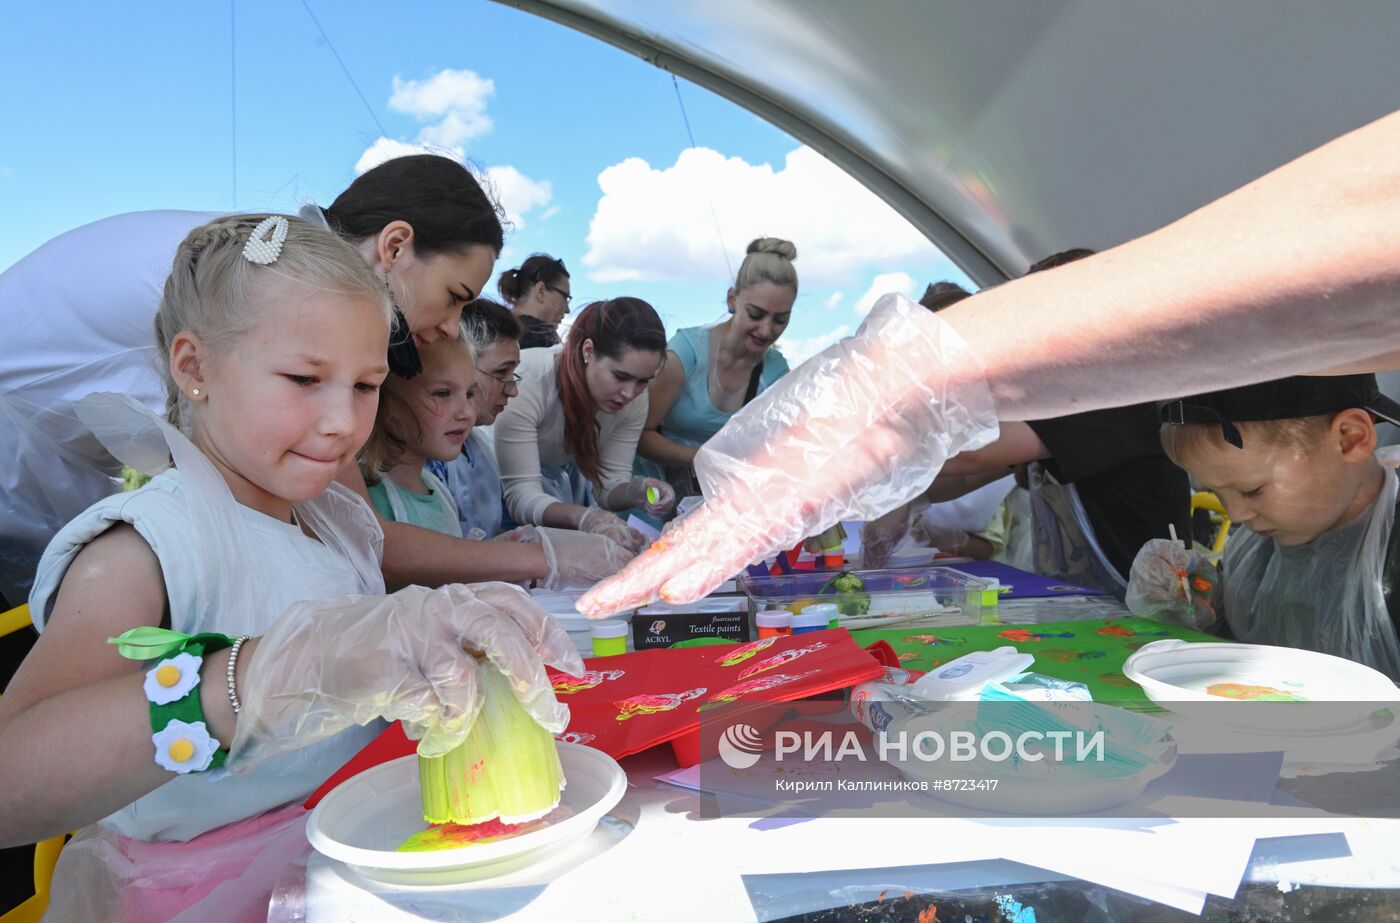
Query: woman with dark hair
x,y
577,421
85,302
538,292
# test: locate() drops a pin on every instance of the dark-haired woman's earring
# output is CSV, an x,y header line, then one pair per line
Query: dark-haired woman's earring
x,y
393,302
194,392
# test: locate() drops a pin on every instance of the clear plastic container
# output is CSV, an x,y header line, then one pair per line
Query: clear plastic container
x,y
911,592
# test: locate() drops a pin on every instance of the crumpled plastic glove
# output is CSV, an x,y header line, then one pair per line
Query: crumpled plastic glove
x,y
947,539
327,665
598,521
1168,583
1388,456
635,494
852,433
880,537
576,559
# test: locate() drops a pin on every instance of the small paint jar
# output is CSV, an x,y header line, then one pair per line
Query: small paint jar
x,y
989,596
609,638
815,618
773,623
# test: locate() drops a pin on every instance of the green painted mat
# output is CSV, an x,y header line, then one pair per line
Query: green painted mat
x,y
1092,653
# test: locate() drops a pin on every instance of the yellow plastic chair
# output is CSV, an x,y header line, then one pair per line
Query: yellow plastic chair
x,y
45,851
14,620
1208,501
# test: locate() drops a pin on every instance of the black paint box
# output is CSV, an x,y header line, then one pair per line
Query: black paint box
x,y
663,626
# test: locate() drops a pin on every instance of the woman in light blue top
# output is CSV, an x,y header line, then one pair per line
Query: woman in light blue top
x,y
714,371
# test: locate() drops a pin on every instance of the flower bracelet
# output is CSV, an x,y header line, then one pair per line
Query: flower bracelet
x,y
181,737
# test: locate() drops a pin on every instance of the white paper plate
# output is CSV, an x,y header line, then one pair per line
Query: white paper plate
x,y
1173,671
1355,747
365,818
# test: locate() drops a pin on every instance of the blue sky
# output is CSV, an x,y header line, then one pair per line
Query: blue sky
x,y
243,106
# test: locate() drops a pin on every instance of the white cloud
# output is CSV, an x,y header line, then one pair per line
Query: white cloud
x,y
833,300
457,100
457,97
657,224
387,149
883,284
798,350
517,193
451,131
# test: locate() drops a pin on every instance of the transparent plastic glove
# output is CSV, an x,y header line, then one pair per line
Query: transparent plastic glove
x,y
638,492
854,432
576,559
1168,583
598,521
880,537
327,665
947,539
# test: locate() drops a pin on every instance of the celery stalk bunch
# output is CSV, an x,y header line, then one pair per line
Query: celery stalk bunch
x,y
507,768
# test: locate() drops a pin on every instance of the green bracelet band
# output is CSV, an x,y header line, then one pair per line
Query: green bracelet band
x,y
180,735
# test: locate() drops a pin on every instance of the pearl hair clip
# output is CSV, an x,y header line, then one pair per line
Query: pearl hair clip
x,y
265,243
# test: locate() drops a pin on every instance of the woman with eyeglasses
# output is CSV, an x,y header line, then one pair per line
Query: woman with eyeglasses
x,y
714,370
565,445
538,293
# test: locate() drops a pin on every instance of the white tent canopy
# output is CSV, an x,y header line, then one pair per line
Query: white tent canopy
x,y
1007,129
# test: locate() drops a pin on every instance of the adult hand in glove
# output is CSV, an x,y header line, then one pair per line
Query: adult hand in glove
x,y
1168,583
880,537
576,559
598,521
325,666
854,432
638,493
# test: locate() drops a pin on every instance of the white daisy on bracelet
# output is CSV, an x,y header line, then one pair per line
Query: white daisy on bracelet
x,y
184,747
172,678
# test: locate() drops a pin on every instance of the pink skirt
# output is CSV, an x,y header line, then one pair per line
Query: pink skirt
x,y
223,876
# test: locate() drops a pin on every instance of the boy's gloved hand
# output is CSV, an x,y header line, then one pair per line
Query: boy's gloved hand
x,y
325,666
1168,583
576,559
598,521
852,433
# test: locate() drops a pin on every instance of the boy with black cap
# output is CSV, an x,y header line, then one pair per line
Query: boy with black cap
x,y
1316,566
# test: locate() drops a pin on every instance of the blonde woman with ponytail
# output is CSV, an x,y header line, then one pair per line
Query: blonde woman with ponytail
x,y
714,370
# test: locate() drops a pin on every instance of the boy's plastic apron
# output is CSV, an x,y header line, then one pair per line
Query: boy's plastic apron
x,y
1328,595
1065,546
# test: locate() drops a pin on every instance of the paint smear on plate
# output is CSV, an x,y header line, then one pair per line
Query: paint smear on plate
x,y
455,836
1246,692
